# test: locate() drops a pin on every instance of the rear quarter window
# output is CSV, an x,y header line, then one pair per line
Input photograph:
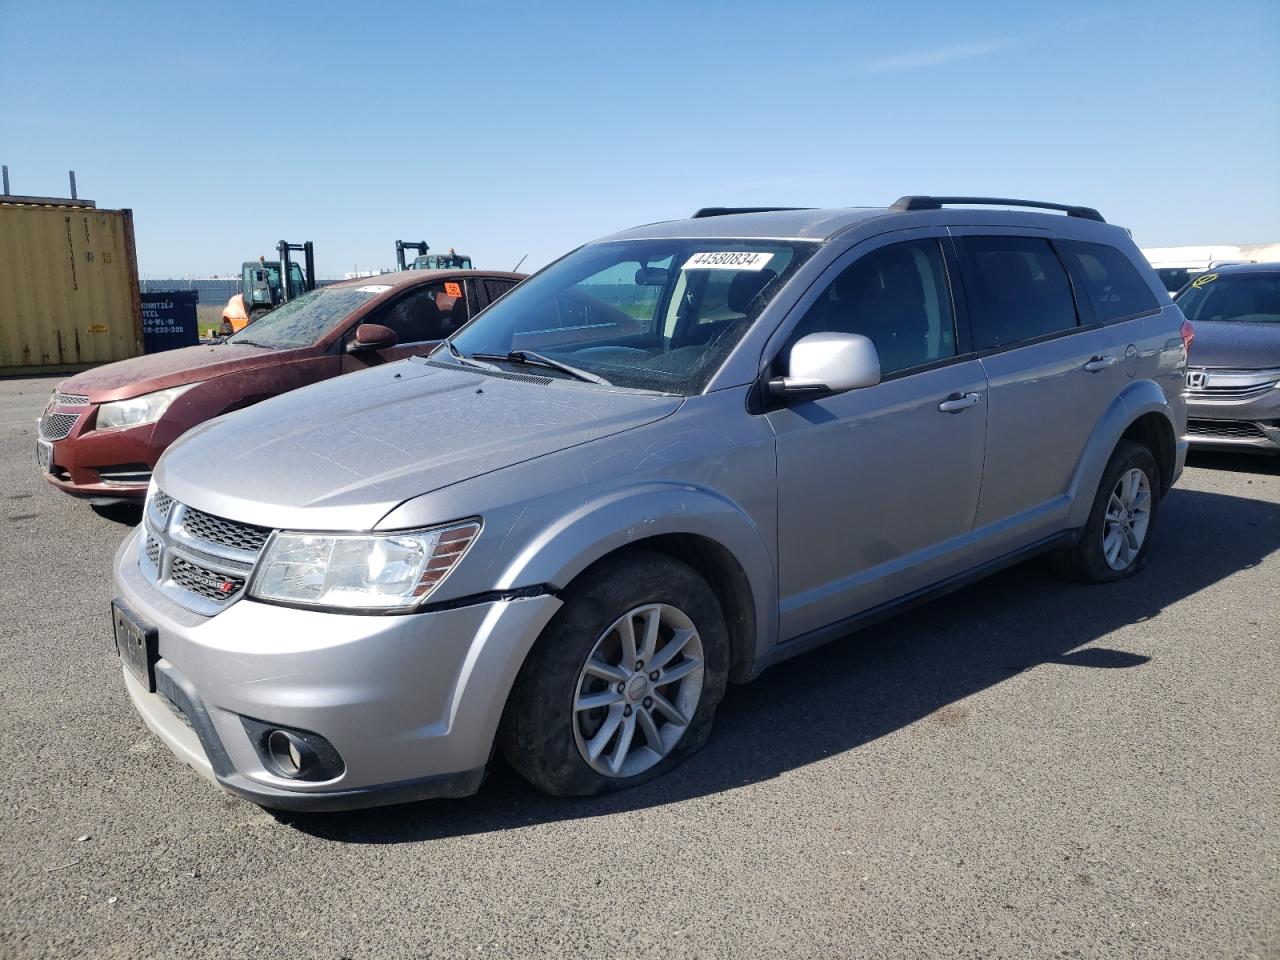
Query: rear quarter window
x,y
1112,286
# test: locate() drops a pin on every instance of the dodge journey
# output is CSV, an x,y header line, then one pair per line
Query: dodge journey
x,y
670,459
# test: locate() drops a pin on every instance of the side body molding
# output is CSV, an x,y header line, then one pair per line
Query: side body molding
x,y
1138,399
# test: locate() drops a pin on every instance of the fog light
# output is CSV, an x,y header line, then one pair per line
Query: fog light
x,y
287,752
293,753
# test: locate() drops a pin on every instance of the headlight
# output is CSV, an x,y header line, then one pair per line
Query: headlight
x,y
135,411
361,571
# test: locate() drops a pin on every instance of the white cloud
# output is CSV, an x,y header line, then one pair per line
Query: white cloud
x,y
950,53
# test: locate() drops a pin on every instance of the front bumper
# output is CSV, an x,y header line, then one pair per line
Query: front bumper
x,y
107,464
1249,425
411,703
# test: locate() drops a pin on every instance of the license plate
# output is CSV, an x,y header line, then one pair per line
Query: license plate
x,y
137,645
44,455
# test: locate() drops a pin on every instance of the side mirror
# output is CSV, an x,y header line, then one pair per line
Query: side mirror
x,y
823,363
372,336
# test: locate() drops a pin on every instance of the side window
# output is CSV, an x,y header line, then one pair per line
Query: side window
x,y
425,313
453,306
496,288
1111,283
899,297
1017,290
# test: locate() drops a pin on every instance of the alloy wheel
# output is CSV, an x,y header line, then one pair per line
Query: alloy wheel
x,y
638,690
1128,516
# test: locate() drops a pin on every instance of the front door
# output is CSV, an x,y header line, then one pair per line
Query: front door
x,y
877,487
421,317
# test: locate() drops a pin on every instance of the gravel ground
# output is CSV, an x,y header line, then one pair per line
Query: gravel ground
x,y
1025,768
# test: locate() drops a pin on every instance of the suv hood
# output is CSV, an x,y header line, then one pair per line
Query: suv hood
x,y
1239,346
172,368
341,454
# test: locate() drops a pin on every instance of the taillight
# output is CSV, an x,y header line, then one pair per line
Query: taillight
x,y
1188,334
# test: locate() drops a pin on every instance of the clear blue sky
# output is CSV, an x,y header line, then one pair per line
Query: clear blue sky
x,y
505,129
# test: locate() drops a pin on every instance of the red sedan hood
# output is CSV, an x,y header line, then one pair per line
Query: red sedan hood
x,y
173,368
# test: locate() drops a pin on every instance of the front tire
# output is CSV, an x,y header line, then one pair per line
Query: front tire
x,y
623,683
1117,537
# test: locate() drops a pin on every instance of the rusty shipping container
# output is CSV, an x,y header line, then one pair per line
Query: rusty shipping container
x,y
69,294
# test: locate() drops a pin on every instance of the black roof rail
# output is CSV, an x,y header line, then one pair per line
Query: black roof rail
x,y
903,204
725,211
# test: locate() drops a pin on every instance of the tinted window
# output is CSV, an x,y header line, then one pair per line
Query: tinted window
x,y
1238,297
898,296
496,288
1175,278
426,313
1017,290
1112,285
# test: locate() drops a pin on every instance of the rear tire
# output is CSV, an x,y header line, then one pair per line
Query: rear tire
x,y
1117,537
575,729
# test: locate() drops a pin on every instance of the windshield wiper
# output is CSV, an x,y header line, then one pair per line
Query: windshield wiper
x,y
251,343
538,360
461,358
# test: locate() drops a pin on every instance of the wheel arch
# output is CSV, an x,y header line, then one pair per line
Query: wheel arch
x,y
1142,413
708,532
713,562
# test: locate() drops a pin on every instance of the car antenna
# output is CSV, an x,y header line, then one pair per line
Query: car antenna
x,y
522,260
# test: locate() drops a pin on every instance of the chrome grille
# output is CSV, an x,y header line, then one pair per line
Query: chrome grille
x,y
135,474
1229,392
57,426
241,536
210,584
1229,385
202,561
70,400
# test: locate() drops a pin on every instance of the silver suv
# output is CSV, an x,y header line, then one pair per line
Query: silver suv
x,y
670,459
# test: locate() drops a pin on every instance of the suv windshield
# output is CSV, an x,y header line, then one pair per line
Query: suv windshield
x,y
647,314
1238,297
305,319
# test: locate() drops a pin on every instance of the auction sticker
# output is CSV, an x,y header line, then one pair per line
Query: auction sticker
x,y
1203,279
728,260
374,288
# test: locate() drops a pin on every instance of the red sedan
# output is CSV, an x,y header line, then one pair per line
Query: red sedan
x,y
104,429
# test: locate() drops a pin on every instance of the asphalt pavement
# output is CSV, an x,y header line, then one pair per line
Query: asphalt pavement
x,y
1026,768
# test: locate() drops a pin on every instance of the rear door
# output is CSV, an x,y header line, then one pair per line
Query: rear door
x,y
877,487
1051,372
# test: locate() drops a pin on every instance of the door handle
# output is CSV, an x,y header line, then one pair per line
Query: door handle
x,y
960,401
1100,363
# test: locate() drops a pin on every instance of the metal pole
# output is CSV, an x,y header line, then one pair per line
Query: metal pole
x,y
6,179
282,249
73,185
